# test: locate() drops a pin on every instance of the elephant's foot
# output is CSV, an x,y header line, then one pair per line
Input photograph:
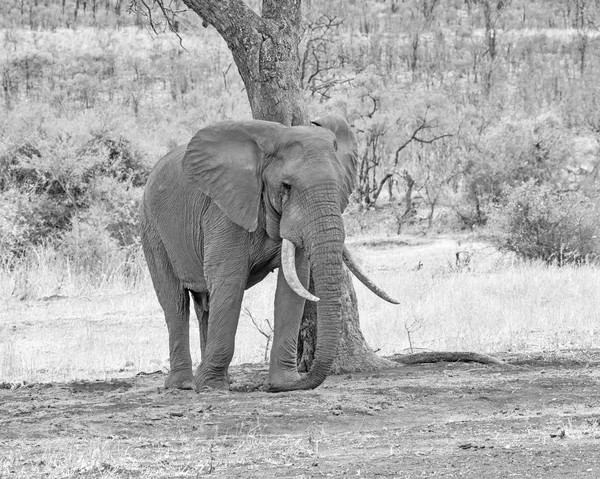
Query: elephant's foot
x,y
204,381
282,380
207,384
180,380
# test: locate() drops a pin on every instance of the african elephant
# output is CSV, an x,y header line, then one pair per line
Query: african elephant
x,y
220,213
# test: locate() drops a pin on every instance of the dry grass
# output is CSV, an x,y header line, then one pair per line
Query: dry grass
x,y
492,304
172,457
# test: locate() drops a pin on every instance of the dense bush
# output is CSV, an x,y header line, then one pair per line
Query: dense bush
x,y
537,222
69,186
116,159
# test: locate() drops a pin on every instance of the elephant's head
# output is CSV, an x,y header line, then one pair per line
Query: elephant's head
x,y
295,183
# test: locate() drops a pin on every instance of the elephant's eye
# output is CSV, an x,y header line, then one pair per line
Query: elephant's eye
x,y
286,188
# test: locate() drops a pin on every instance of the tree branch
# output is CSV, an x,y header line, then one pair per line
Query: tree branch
x,y
375,105
146,7
438,356
382,183
424,125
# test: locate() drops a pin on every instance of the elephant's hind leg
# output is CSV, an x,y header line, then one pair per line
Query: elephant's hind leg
x,y
177,315
175,302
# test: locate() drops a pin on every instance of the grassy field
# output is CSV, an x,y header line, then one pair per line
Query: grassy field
x,y
114,327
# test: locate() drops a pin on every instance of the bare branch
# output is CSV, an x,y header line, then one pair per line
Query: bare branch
x,y
258,327
146,8
423,125
434,139
382,183
375,105
318,61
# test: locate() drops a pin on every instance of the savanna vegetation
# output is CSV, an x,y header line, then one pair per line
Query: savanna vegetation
x,y
472,116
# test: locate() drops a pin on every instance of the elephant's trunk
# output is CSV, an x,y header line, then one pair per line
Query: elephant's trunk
x,y
324,244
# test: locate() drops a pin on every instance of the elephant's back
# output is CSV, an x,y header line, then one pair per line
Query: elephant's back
x,y
166,173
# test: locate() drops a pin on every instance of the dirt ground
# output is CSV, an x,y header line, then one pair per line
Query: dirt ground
x,y
537,417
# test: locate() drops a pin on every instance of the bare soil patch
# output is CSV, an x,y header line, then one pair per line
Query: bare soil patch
x,y
539,417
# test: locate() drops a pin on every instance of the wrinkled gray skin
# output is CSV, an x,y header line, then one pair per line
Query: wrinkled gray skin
x,y
213,217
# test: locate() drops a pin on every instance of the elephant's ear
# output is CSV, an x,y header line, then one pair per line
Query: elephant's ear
x,y
346,152
224,161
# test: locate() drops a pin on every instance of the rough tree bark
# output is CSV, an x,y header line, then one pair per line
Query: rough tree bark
x,y
265,50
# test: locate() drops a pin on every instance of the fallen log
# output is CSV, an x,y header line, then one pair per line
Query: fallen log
x,y
445,356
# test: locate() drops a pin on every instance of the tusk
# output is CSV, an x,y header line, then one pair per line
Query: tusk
x,y
288,264
364,279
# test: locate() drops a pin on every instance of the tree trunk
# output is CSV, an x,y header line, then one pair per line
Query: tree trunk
x,y
265,50
354,354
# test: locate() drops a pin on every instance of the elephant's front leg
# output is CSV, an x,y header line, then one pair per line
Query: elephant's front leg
x,y
226,294
288,314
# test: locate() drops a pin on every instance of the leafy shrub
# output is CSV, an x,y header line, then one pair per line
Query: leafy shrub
x,y
510,153
87,247
27,220
90,249
539,222
15,171
68,172
117,208
116,158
